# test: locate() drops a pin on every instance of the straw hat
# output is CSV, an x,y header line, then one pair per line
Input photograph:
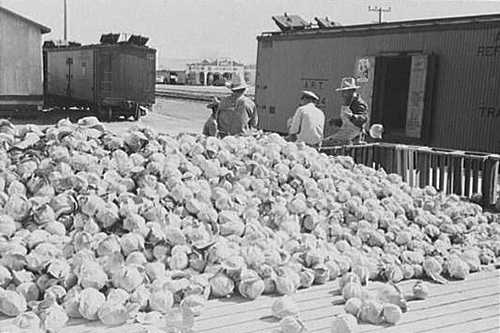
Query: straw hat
x,y
310,94
348,83
238,86
237,83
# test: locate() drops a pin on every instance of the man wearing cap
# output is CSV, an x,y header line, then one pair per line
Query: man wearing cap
x,y
237,114
353,115
308,121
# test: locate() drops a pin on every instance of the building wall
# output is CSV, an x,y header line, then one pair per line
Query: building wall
x,y
205,74
20,59
466,110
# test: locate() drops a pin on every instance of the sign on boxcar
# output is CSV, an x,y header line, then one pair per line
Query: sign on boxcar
x,y
363,70
364,73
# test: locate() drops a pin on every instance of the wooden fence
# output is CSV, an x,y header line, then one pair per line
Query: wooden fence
x,y
460,172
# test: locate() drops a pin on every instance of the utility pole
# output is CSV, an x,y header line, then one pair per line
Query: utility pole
x,y
379,10
65,20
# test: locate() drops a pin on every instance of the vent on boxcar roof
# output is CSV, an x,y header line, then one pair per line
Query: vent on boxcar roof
x,y
123,38
138,40
325,23
109,38
49,44
290,22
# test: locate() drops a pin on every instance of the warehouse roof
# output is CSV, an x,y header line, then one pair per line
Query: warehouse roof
x,y
412,25
43,28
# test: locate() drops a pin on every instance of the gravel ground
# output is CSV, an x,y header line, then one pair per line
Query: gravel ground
x,y
168,116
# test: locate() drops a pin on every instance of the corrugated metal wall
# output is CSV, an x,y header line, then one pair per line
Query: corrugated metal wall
x,y
466,112
20,57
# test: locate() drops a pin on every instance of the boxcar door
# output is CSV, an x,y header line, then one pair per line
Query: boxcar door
x,y
420,92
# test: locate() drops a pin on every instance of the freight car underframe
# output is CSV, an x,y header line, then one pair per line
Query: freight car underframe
x,y
106,110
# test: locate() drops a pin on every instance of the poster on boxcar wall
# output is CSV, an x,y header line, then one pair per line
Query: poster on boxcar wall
x,y
364,72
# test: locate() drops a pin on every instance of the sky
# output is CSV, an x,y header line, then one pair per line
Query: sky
x,y
190,30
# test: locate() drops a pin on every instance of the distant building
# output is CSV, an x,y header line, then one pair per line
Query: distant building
x,y
170,76
250,75
21,80
215,72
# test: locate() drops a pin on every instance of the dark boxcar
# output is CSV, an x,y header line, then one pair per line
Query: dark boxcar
x,y
111,79
431,82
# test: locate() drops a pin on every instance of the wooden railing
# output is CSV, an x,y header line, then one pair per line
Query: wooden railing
x,y
460,172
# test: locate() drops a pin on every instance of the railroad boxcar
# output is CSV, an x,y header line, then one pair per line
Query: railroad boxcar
x,y
112,78
430,82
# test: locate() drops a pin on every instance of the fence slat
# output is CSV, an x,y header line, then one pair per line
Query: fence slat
x,y
391,155
434,166
376,156
369,155
423,166
490,179
442,171
476,165
467,176
450,163
412,167
405,165
457,171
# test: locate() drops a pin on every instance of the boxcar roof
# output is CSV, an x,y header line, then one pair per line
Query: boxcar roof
x,y
97,46
467,22
43,28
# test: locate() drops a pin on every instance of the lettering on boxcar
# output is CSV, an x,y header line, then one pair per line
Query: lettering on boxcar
x,y
489,111
488,50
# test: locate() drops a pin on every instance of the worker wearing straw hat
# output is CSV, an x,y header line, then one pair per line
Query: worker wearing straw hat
x,y
308,122
237,114
353,115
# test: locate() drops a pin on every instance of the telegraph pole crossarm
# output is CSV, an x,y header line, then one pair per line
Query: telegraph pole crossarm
x,y
379,10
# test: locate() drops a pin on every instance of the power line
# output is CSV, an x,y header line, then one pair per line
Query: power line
x,y
380,10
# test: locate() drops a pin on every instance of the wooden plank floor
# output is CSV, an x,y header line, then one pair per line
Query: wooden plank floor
x,y
471,306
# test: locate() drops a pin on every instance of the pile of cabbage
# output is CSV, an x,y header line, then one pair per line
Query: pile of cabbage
x,y
122,228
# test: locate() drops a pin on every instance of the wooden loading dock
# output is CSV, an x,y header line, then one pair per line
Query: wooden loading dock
x,y
470,306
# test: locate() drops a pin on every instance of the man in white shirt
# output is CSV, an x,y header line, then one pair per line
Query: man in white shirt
x,y
308,122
